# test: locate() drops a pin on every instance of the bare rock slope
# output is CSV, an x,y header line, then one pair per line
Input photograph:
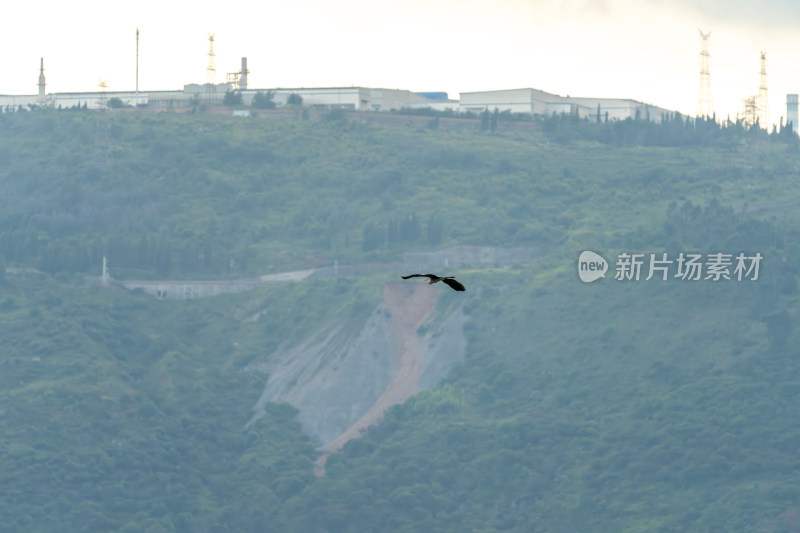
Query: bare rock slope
x,y
342,381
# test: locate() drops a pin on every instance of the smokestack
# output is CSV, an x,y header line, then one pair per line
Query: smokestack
x,y
791,112
42,96
243,75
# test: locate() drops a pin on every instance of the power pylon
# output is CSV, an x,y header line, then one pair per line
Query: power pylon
x,y
763,102
704,105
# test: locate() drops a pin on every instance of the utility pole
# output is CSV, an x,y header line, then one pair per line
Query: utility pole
x,y
137,68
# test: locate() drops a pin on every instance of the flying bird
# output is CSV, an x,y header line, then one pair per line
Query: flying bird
x,y
433,278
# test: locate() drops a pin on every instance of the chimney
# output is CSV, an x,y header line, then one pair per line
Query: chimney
x,y
243,75
791,112
42,96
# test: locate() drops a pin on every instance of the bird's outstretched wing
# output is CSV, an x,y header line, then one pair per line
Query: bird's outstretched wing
x,y
418,276
455,285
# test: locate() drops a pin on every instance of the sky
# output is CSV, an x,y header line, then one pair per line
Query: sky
x,y
648,50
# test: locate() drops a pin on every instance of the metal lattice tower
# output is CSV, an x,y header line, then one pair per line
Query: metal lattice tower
x,y
704,106
750,115
763,102
103,84
212,70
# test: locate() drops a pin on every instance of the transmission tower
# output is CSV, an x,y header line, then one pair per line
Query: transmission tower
x,y
704,106
212,70
750,115
763,105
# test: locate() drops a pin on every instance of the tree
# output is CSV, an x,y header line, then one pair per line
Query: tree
x,y
264,100
294,99
115,103
485,120
232,98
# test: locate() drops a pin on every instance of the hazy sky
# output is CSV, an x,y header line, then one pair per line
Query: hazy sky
x,y
642,49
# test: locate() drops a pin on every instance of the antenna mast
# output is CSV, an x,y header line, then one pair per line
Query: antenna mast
x,y
137,67
763,105
211,70
704,106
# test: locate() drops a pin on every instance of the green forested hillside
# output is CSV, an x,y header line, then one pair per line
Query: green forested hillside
x,y
612,406
185,195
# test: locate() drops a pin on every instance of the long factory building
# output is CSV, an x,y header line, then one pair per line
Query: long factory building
x,y
525,100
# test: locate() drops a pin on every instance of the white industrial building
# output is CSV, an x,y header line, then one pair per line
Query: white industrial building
x,y
190,95
617,108
526,100
355,98
529,101
537,102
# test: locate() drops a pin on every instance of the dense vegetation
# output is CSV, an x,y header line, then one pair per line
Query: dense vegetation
x,y
614,406
179,195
